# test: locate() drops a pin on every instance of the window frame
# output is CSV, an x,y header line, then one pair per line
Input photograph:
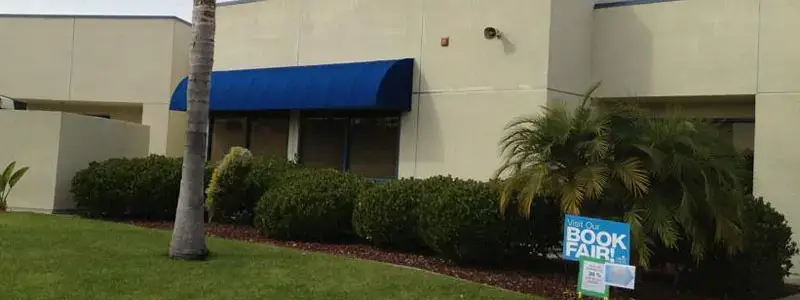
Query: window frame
x,y
248,117
349,115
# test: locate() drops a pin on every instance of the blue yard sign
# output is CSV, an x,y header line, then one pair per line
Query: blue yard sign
x,y
596,238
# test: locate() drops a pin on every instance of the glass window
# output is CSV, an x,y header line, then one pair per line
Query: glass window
x,y
374,146
269,135
366,145
263,134
227,132
322,142
740,132
744,135
726,131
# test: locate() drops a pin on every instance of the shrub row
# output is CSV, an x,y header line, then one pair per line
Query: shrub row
x,y
456,219
147,188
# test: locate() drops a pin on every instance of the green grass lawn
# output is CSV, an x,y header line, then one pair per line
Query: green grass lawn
x,y
64,257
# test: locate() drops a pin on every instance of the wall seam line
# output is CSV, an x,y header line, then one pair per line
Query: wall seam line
x,y
758,50
300,14
71,61
170,90
419,87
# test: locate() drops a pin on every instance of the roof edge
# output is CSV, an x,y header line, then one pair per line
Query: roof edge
x,y
629,3
90,16
236,2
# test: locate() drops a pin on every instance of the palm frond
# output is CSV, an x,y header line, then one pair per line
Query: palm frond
x,y
592,180
572,197
635,218
633,175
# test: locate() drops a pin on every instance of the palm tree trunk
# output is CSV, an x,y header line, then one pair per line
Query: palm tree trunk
x,y
188,236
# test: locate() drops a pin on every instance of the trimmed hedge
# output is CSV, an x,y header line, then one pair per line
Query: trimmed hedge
x,y
147,188
310,205
129,188
386,215
460,220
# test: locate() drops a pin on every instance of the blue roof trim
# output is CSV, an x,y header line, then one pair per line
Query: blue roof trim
x,y
629,3
373,85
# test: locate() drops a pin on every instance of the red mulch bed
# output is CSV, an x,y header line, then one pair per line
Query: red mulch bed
x,y
555,286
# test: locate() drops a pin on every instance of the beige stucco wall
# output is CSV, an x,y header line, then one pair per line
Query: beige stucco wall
x,y
705,47
176,139
778,59
569,65
84,139
35,145
102,47
85,60
37,57
458,134
55,145
490,81
777,158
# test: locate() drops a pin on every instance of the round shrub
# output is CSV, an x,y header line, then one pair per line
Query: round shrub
x,y
266,173
130,188
226,195
460,220
386,214
758,271
240,201
310,205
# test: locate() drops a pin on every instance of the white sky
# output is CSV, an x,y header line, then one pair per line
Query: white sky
x,y
178,8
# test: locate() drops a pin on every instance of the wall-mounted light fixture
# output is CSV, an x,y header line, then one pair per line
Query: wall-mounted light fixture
x,y
491,33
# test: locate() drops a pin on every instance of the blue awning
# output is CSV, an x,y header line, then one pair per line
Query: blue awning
x,y
374,85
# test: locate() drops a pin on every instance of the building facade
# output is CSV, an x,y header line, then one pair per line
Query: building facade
x,y
123,68
418,88
462,88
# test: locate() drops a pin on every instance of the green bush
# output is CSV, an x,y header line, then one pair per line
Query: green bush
x,y
460,220
141,188
247,186
310,205
129,188
538,236
759,270
266,173
386,214
227,191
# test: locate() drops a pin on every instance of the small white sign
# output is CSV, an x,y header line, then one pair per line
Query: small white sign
x,y
592,281
622,276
